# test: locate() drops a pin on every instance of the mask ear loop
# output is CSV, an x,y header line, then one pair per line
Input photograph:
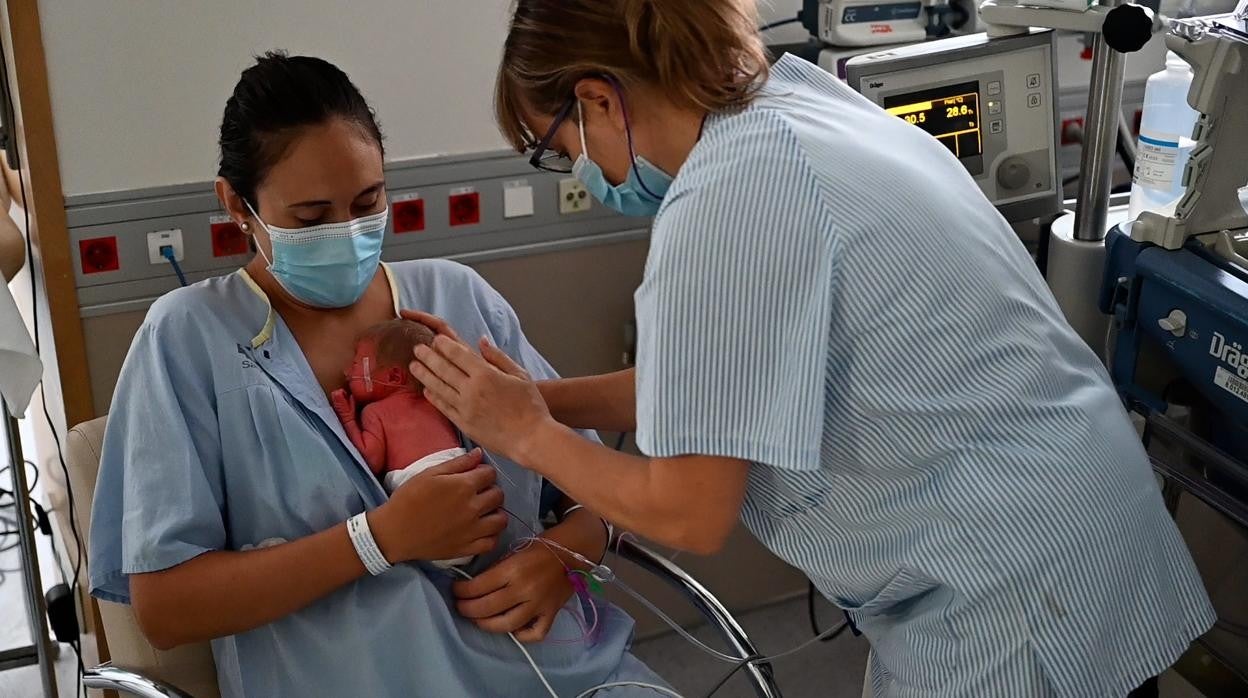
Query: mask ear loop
x,y
264,225
628,130
580,118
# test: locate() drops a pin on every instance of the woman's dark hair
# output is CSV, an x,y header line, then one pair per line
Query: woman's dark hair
x,y
273,101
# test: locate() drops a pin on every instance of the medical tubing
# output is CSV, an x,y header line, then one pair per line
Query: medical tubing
x,y
605,575
727,658
728,677
546,683
532,663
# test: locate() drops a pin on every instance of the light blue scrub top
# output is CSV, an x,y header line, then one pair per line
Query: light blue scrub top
x,y
829,295
220,438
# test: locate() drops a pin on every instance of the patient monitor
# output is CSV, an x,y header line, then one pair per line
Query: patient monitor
x,y
992,103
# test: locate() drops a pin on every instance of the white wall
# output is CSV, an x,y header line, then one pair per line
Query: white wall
x,y
138,86
776,10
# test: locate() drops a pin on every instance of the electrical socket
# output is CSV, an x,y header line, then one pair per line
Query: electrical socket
x,y
164,238
573,196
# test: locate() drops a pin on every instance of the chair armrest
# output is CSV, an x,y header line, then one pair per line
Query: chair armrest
x,y
108,677
715,613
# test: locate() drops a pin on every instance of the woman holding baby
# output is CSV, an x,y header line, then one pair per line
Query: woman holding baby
x,y
234,506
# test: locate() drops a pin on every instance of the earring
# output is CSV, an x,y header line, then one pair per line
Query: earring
x,y
245,226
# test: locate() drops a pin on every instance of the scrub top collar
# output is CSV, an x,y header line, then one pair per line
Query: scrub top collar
x,y
266,332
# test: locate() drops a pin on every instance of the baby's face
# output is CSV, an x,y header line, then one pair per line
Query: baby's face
x,y
367,379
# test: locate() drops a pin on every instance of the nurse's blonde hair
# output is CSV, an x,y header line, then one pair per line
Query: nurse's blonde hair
x,y
704,54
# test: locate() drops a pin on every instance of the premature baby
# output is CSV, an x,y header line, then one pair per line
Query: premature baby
x,y
384,411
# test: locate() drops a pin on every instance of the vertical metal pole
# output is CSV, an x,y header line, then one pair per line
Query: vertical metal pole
x,y
35,606
1100,134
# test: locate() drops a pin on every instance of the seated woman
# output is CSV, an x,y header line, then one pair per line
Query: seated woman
x,y
226,480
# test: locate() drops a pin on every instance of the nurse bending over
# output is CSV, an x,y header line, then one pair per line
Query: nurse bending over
x,y
227,478
907,418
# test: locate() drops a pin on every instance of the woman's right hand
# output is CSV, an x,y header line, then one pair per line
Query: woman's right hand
x,y
449,511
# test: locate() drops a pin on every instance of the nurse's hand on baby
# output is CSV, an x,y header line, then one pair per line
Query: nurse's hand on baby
x,y
489,397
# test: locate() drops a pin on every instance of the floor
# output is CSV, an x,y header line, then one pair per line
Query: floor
x,y
828,670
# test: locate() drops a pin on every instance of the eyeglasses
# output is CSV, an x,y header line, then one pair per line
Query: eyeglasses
x,y
549,160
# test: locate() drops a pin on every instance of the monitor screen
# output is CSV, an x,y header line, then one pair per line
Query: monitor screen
x,y
950,114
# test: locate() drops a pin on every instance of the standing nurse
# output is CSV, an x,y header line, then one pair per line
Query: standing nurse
x,y
843,344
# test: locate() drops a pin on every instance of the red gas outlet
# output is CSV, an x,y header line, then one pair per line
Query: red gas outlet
x,y
99,255
228,240
465,208
409,216
1072,131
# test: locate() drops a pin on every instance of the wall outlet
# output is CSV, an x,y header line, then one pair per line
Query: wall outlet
x,y
465,206
162,238
99,255
573,197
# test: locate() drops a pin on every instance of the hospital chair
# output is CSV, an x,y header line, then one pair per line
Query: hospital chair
x,y
136,668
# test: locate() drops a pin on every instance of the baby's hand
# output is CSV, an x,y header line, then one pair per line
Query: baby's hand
x,y
344,404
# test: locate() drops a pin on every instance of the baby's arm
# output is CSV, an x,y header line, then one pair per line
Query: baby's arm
x,y
370,440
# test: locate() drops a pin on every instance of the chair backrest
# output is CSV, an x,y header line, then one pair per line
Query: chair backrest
x,y
190,668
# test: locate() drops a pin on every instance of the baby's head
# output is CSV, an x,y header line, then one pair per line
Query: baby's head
x,y
382,355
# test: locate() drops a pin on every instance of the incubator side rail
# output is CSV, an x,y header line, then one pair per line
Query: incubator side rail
x,y
715,613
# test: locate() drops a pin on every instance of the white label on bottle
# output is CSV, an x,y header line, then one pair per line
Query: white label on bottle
x,y
1155,160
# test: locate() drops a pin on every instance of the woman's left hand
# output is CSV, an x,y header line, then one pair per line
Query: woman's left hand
x,y
522,594
489,397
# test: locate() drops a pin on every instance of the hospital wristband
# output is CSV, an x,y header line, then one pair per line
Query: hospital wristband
x,y
362,540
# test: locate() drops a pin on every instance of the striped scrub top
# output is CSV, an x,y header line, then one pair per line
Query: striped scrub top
x,y
829,296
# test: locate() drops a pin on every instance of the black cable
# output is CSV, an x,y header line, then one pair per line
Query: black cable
x,y
728,677
814,622
34,481
810,609
781,23
73,527
34,317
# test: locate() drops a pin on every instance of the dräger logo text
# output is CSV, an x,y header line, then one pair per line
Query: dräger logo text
x,y
1230,353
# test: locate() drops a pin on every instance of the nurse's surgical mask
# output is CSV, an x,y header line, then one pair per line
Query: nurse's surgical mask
x,y
639,195
329,265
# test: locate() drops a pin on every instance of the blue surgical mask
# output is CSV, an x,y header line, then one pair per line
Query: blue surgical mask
x,y
330,265
640,195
